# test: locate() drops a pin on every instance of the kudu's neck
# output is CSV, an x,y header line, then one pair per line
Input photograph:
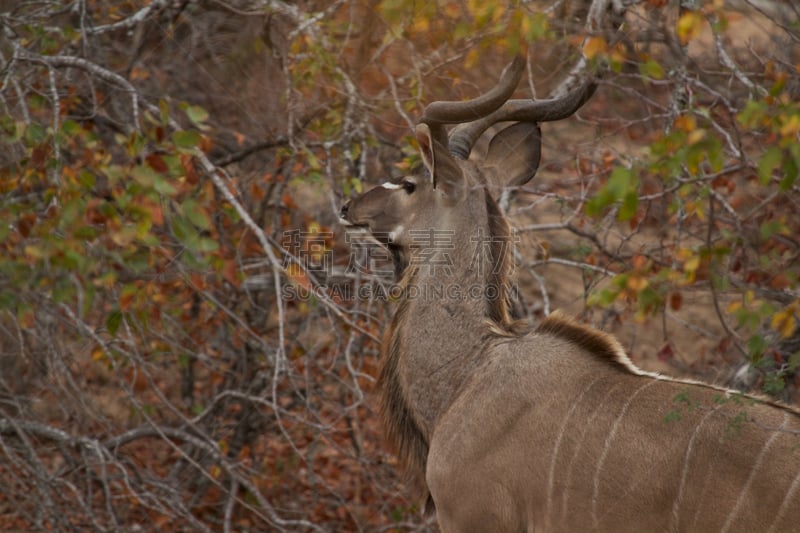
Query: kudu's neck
x,y
455,284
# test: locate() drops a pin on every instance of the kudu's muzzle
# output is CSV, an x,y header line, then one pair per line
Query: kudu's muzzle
x,y
343,213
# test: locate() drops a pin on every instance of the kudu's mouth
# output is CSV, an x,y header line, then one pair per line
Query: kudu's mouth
x,y
343,211
345,220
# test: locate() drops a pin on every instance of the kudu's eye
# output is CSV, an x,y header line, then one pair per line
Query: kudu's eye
x,y
409,186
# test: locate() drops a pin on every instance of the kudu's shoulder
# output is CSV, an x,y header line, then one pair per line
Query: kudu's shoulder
x,y
600,344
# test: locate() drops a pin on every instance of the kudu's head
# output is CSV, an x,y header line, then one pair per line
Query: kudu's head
x,y
450,192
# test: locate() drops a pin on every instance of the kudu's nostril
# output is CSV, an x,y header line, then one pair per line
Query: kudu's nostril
x,y
343,210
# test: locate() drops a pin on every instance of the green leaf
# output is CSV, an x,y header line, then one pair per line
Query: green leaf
x,y
772,227
204,244
189,236
752,114
70,128
777,87
35,252
313,161
197,115
651,69
183,229
794,361
628,208
352,184
621,182
596,205
756,346
63,289
86,179
114,173
144,175
196,214
773,383
621,186
35,133
8,300
790,172
14,131
186,139
767,163
537,26
163,186
715,155
113,322
163,108
603,298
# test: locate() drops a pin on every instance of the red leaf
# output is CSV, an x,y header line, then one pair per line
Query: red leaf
x,y
157,163
675,300
666,353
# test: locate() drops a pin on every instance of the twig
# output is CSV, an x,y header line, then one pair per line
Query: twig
x,y
93,68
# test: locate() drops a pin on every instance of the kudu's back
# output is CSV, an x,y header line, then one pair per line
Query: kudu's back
x,y
557,432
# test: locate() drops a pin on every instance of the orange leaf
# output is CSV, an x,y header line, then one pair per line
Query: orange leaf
x,y
191,173
638,261
126,296
686,123
98,353
594,46
230,271
637,283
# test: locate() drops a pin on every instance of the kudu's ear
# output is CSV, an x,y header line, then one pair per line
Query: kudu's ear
x,y
514,154
446,174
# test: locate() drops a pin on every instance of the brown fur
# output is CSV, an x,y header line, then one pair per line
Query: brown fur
x,y
590,339
497,308
410,444
403,433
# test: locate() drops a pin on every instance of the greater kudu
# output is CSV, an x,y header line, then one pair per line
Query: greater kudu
x,y
552,429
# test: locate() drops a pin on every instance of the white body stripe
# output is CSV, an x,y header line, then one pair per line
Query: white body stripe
x,y
552,474
578,445
753,471
785,503
675,520
607,447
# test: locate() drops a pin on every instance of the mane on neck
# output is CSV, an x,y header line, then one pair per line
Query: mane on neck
x,y
408,441
498,284
593,340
